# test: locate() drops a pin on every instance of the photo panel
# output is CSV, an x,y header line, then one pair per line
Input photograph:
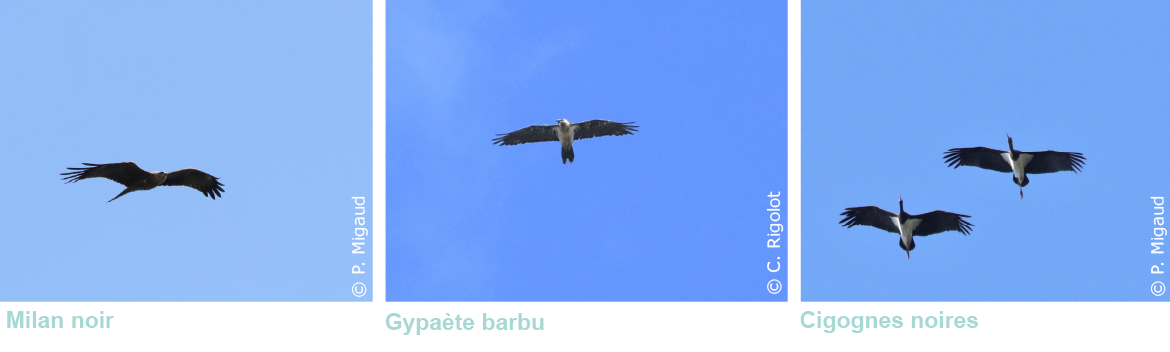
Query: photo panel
x,y
268,103
898,96
674,185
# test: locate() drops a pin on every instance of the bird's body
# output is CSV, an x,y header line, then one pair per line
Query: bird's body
x,y
905,225
149,182
565,133
1018,163
135,179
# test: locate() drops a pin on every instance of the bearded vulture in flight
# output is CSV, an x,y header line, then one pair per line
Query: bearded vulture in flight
x,y
135,179
566,133
905,225
1018,163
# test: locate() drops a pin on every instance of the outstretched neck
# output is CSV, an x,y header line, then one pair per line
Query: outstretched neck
x,y
901,211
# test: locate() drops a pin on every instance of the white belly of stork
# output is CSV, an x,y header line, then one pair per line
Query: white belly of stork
x,y
906,231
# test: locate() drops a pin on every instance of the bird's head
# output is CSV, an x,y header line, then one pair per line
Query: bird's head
x,y
1009,141
907,254
562,122
159,175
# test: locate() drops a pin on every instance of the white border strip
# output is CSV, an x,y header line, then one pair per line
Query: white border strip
x,y
378,199
590,326
794,151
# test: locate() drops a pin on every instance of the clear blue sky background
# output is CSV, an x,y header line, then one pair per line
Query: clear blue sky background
x,y
890,86
674,212
272,97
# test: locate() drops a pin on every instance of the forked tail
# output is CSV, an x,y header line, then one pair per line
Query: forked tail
x,y
127,190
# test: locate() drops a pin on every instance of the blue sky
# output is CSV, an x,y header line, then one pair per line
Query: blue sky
x,y
675,212
272,97
889,87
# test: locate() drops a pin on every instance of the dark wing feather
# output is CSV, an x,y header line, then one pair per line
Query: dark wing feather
x,y
598,128
871,216
940,221
196,179
530,134
987,158
125,173
1050,161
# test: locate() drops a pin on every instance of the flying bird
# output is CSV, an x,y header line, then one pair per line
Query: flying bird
x,y
1020,164
905,225
565,133
135,179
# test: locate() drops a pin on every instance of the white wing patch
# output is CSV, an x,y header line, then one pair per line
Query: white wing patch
x,y
1025,158
911,225
1018,167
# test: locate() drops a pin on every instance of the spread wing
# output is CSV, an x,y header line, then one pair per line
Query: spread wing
x,y
870,216
530,134
598,128
987,158
940,221
1050,161
196,179
125,173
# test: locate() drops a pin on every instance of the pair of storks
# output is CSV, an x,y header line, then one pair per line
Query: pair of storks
x,y
1018,163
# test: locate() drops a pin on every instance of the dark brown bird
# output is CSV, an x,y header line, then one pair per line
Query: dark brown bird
x,y
136,179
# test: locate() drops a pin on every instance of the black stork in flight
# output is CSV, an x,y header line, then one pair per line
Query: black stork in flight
x,y
905,225
1020,164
